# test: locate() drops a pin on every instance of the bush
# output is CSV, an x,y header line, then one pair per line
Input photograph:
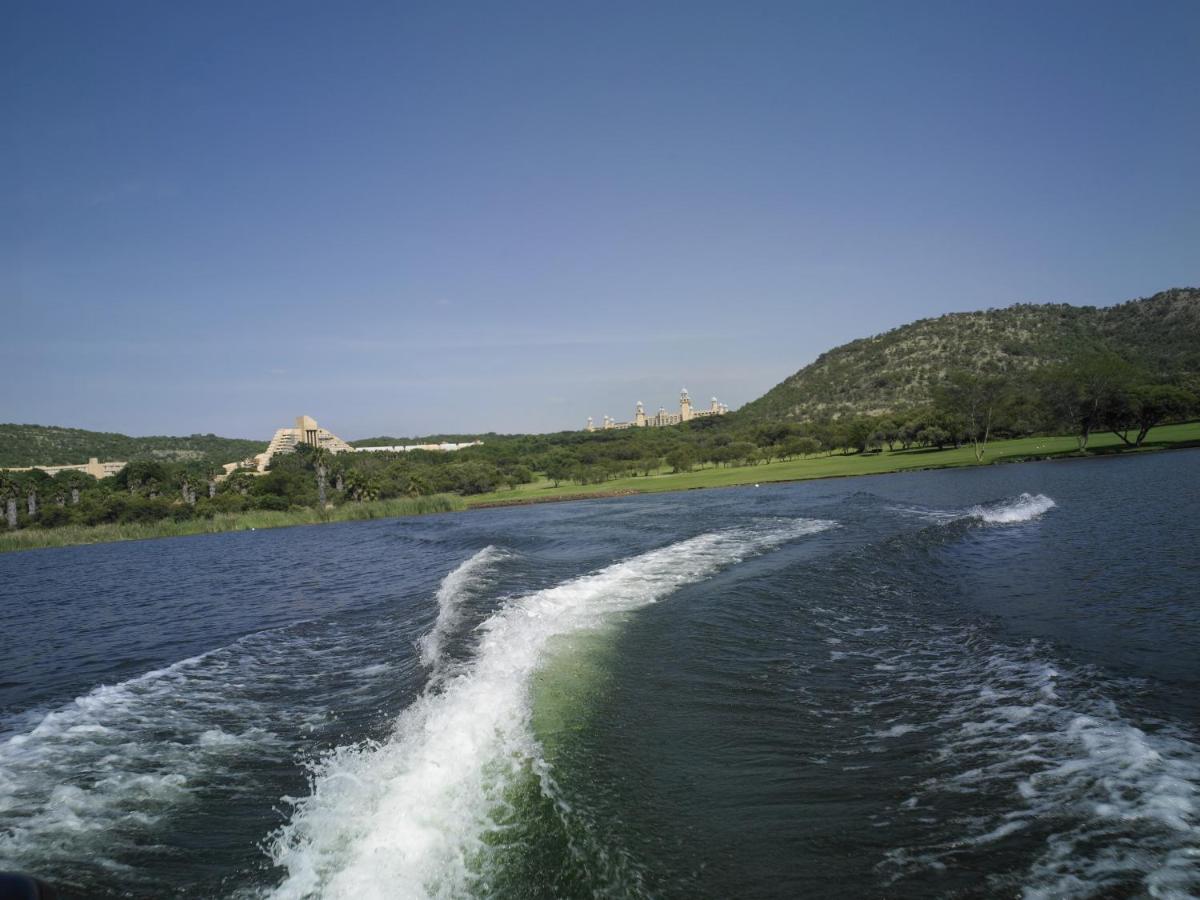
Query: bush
x,y
55,516
141,509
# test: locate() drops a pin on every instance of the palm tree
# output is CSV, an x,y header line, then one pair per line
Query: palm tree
x,y
320,460
361,487
10,490
73,481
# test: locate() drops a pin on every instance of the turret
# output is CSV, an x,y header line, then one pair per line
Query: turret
x,y
685,406
639,417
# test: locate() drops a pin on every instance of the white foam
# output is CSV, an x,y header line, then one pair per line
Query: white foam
x,y
89,775
1023,508
407,818
1116,804
456,587
897,731
1011,512
98,779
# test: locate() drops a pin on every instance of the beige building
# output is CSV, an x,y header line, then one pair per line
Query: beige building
x,y
286,440
92,467
445,447
662,417
307,431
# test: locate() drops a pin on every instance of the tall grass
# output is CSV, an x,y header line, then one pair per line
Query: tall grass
x,y
30,538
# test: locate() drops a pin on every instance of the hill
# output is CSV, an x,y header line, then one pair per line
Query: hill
x,y
898,369
27,445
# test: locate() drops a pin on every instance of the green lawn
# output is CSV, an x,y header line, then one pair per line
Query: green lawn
x,y
837,465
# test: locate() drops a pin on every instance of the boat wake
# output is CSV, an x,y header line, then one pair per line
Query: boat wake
x,y
466,581
1024,508
1015,511
100,781
416,815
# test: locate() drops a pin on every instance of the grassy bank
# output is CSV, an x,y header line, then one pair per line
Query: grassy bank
x,y
30,538
837,465
819,466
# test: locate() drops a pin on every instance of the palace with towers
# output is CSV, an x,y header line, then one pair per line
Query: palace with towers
x,y
662,417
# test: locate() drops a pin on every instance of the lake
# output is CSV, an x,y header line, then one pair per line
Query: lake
x,y
964,683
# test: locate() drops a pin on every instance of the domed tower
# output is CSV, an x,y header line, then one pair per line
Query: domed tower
x,y
639,417
685,406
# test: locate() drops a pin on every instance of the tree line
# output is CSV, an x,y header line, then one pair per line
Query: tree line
x,y
1094,392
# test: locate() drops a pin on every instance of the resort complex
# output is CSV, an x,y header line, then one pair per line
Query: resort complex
x,y
307,432
662,417
92,467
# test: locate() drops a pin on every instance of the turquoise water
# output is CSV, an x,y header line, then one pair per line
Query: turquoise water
x,y
945,684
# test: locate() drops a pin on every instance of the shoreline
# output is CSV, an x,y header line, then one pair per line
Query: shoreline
x,y
254,520
1172,437
611,495
1181,437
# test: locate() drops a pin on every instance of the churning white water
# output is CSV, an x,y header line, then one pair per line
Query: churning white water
x,y
1023,508
408,817
1011,512
455,589
95,777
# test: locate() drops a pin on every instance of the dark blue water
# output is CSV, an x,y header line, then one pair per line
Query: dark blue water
x,y
947,684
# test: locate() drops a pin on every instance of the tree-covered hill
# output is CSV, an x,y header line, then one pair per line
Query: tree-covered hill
x,y
900,368
27,445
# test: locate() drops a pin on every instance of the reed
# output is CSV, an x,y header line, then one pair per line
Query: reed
x,y
68,535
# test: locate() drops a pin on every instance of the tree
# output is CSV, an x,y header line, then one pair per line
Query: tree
x,y
186,488
975,401
338,471
558,466
648,465
210,477
1077,393
141,474
858,435
742,452
887,431
681,459
806,446
1142,407
320,461
361,487
9,491
74,482
240,481
934,436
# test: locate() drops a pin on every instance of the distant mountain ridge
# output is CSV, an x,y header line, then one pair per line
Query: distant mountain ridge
x,y
898,369
30,445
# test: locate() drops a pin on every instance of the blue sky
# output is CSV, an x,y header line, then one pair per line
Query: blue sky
x,y
407,218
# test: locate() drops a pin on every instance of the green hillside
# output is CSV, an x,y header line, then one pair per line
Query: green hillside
x,y
27,445
897,370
